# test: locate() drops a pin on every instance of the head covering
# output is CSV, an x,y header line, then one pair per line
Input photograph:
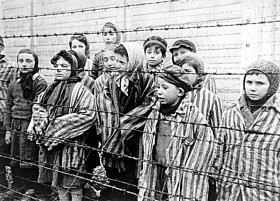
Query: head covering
x,y
154,42
135,57
183,43
26,79
69,58
81,59
194,60
270,70
115,28
176,75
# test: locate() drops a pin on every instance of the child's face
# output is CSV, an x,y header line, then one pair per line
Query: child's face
x,y
153,55
78,46
122,62
191,73
110,61
109,36
63,69
178,53
168,94
256,86
26,62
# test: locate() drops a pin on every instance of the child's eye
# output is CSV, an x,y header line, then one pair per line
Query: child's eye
x,y
113,58
104,33
260,83
105,59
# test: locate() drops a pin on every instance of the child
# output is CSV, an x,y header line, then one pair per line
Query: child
x,y
131,91
60,120
181,47
111,35
20,97
177,144
249,138
86,80
209,104
155,52
107,119
8,73
79,42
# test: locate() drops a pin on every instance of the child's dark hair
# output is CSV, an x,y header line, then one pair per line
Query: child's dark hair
x,y
156,40
83,39
121,51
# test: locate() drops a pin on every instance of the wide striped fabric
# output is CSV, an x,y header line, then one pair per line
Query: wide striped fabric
x,y
189,155
107,117
209,104
87,81
209,83
8,72
249,158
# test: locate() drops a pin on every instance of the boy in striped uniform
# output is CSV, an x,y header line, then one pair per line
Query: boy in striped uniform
x,y
178,145
250,138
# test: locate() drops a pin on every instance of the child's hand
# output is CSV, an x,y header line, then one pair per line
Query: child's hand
x,y
8,137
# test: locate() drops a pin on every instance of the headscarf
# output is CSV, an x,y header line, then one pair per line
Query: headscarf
x,y
81,59
135,65
26,79
59,90
115,28
271,71
175,75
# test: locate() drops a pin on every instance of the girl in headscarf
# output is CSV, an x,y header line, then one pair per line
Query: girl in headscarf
x,y
60,120
21,95
111,35
79,42
248,157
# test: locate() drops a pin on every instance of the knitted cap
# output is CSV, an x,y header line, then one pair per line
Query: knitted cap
x,y
175,75
183,43
194,60
272,72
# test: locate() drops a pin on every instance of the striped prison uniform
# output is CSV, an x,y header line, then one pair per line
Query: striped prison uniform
x,y
249,156
8,73
189,155
209,83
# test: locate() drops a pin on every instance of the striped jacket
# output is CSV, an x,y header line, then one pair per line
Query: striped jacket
x,y
209,83
189,155
209,104
249,157
107,117
8,73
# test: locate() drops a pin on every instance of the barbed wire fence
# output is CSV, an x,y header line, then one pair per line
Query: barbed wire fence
x,y
246,182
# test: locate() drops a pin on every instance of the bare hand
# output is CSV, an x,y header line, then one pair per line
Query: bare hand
x,y
8,137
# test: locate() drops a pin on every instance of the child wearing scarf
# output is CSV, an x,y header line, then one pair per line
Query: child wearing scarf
x,y
178,145
131,92
21,95
111,35
65,111
249,138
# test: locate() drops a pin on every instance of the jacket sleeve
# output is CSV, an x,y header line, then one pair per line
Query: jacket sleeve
x,y
216,115
8,108
97,64
74,124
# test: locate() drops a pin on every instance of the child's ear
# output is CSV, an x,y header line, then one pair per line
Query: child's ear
x,y
181,92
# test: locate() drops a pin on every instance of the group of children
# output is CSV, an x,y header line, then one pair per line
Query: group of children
x,y
160,131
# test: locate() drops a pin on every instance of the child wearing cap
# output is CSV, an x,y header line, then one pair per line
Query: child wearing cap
x,y
155,52
207,102
181,47
177,143
249,137
111,35
131,92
